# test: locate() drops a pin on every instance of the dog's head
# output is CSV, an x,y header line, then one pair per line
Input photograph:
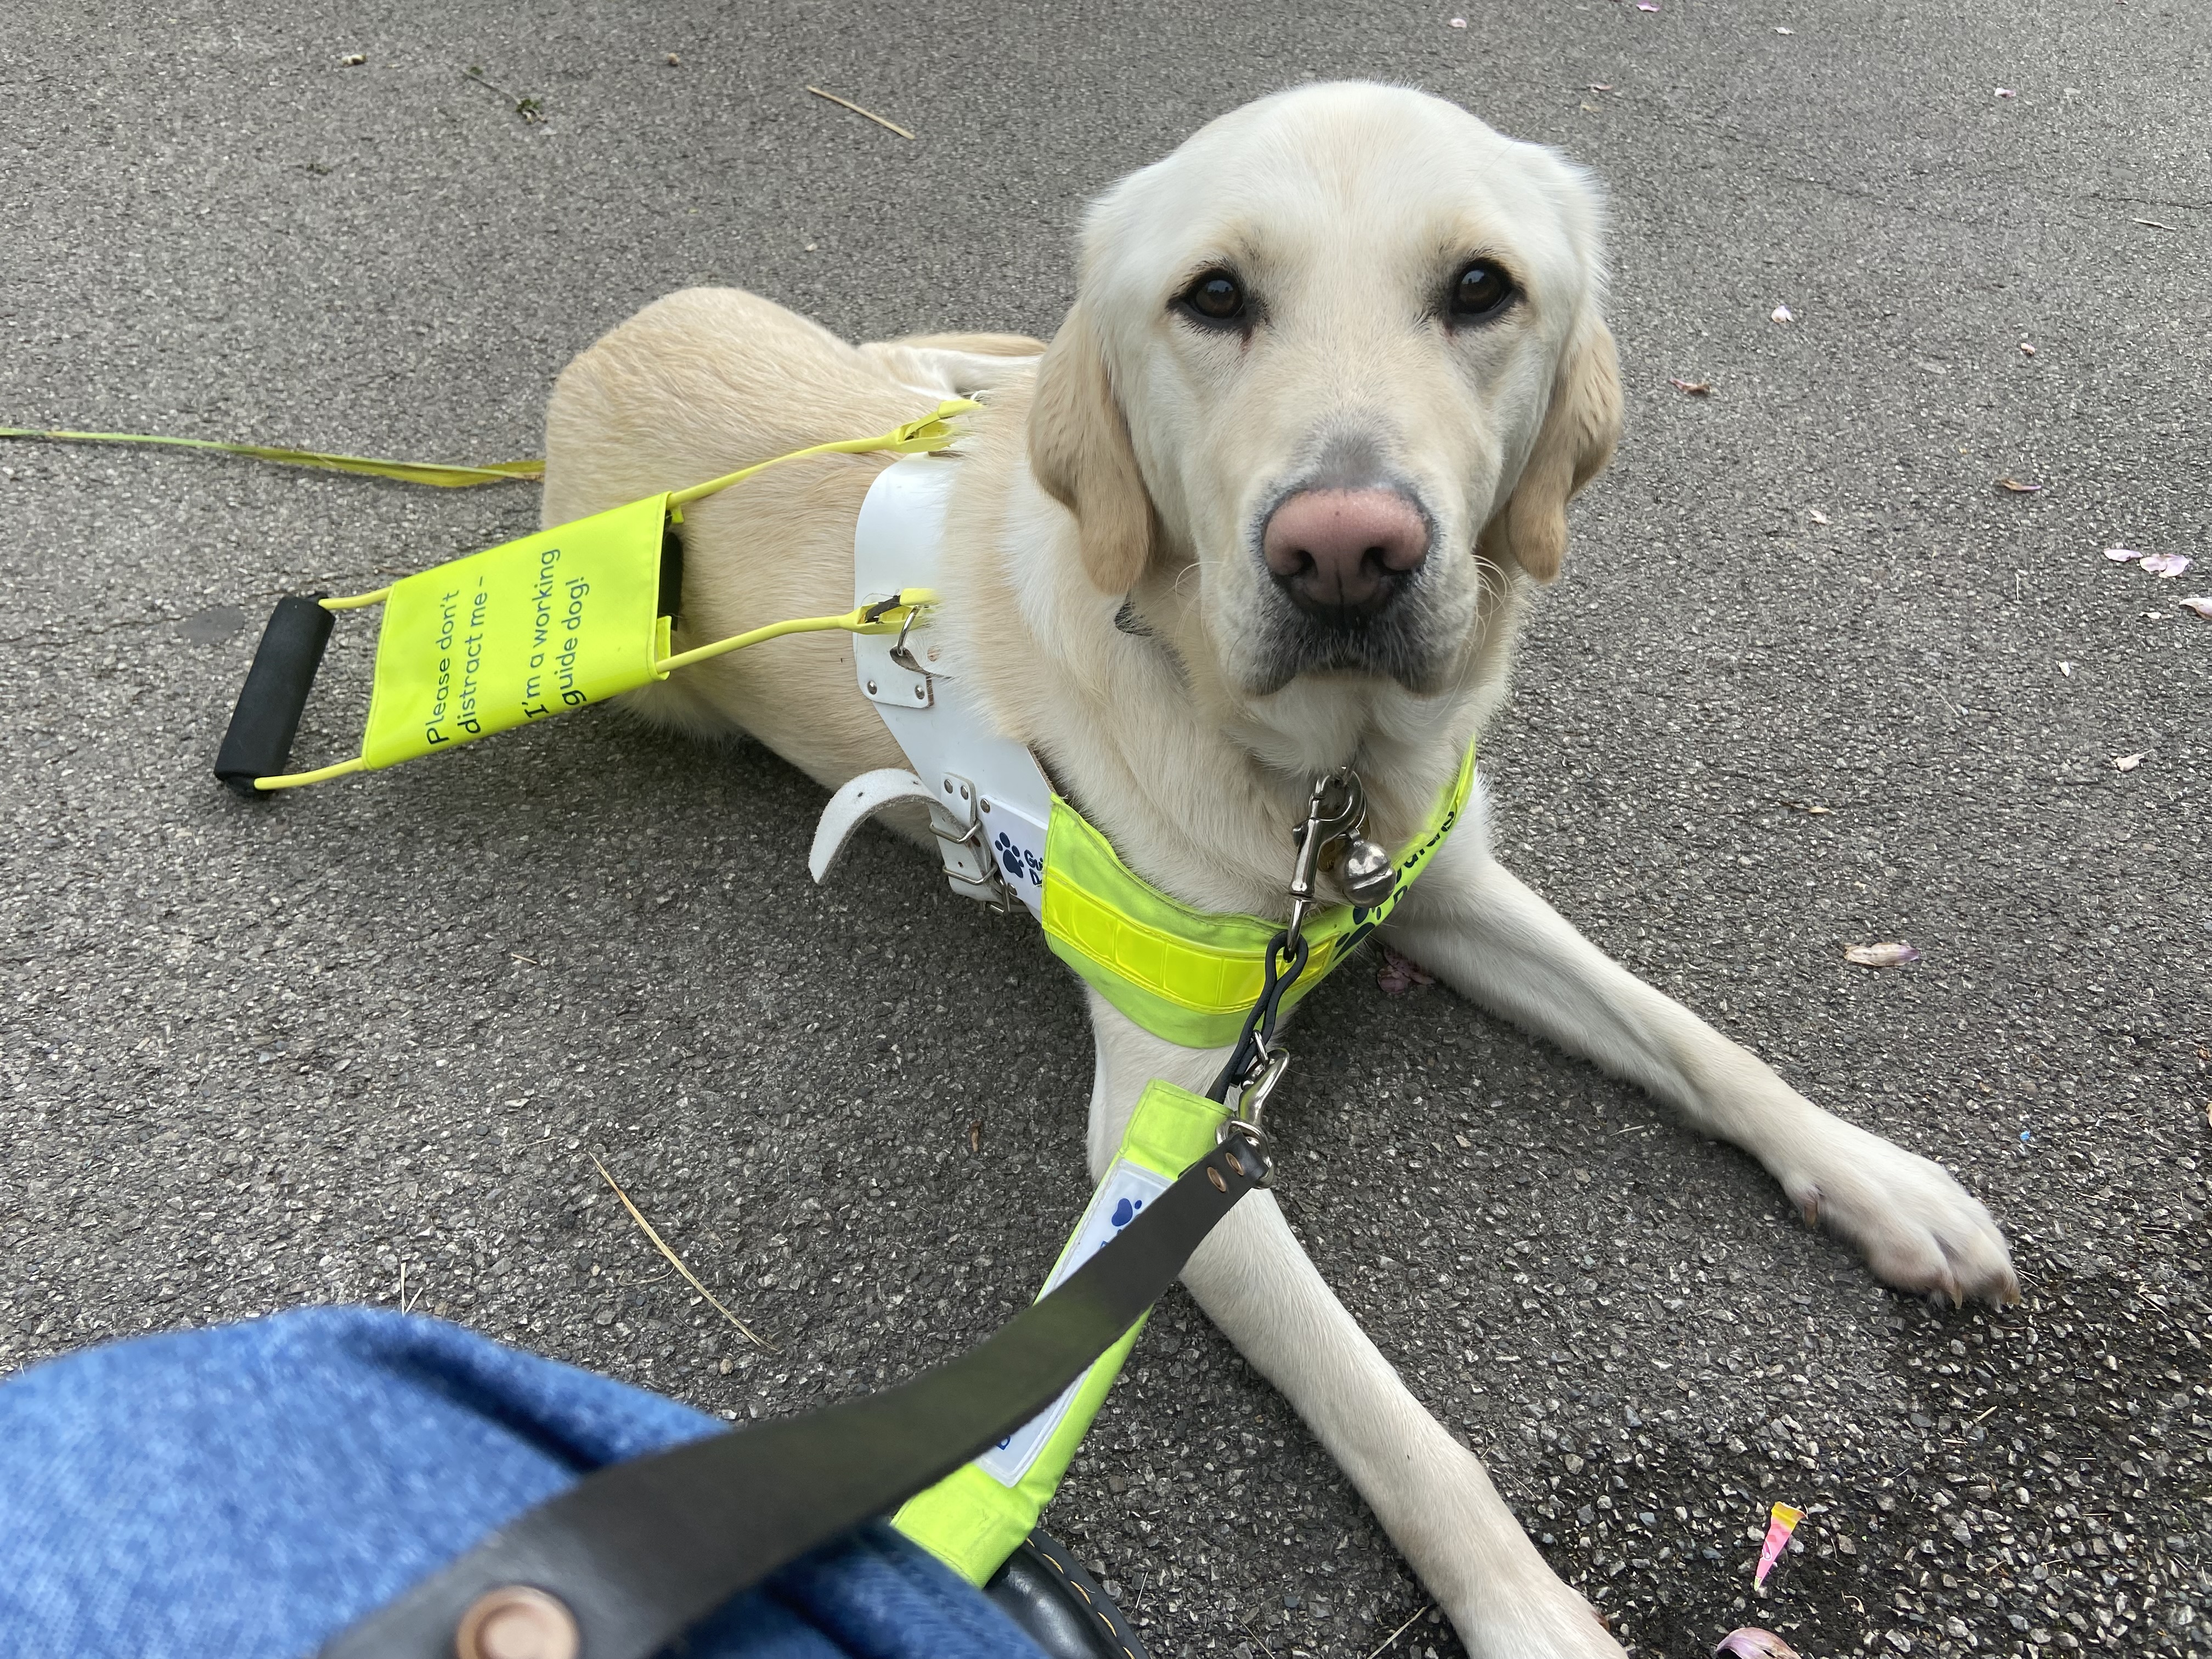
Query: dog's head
x,y
1334,369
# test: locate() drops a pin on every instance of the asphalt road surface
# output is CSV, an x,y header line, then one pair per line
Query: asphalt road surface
x,y
1814,679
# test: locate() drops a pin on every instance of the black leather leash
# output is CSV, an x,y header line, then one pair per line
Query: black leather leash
x,y
630,1558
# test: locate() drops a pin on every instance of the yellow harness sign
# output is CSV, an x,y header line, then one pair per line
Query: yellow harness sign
x,y
536,627
571,616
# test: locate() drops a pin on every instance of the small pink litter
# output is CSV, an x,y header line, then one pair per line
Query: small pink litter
x,y
1780,1523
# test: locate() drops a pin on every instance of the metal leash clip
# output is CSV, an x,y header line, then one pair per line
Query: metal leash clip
x,y
1332,841
1336,811
1252,1104
1331,838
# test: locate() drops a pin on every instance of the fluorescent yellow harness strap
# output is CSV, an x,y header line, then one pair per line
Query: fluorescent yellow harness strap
x,y
1192,975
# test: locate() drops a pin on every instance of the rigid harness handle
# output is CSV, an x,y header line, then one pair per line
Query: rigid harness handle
x,y
259,743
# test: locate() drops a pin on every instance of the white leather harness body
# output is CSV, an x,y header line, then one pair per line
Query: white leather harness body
x,y
990,802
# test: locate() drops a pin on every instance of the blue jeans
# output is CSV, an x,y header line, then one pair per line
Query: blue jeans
x,y
250,1490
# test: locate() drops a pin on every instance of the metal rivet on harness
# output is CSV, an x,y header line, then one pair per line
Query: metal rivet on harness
x,y
1214,1176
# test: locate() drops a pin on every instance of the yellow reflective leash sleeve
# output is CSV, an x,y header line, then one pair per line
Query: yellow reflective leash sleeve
x,y
1190,975
976,1517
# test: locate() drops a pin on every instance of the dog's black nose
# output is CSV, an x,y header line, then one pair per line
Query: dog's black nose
x,y
1344,553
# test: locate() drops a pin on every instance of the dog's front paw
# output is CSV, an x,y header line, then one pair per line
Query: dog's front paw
x,y
1918,1229
1540,1617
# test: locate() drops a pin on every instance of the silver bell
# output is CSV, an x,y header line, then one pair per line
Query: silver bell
x,y
1367,873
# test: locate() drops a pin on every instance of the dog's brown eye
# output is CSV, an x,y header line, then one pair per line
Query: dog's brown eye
x,y
1217,296
1481,292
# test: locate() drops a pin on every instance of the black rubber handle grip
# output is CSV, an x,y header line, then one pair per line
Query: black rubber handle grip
x,y
259,742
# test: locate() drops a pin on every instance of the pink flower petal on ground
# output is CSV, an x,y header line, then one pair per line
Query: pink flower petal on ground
x,y
2122,555
2006,92
1881,956
1783,314
2199,603
2165,564
1459,23
1752,1643
2019,488
2127,762
1695,388
1399,975
1646,5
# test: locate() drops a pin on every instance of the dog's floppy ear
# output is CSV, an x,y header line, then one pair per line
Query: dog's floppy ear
x,y
1079,451
1576,440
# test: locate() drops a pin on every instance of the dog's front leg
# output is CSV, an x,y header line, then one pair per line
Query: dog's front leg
x,y
1432,1494
1498,943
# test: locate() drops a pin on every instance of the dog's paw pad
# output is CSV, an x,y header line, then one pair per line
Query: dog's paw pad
x,y
1918,1228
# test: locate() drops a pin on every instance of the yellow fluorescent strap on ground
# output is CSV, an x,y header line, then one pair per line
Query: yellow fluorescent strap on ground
x,y
568,616
422,472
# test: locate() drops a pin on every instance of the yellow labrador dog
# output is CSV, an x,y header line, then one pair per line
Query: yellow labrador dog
x,y
1273,500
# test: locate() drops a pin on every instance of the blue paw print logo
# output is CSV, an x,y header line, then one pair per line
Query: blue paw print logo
x,y
1017,862
1126,1211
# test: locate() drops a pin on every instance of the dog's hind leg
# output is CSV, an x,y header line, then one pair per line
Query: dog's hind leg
x,y
1431,1493
1498,943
